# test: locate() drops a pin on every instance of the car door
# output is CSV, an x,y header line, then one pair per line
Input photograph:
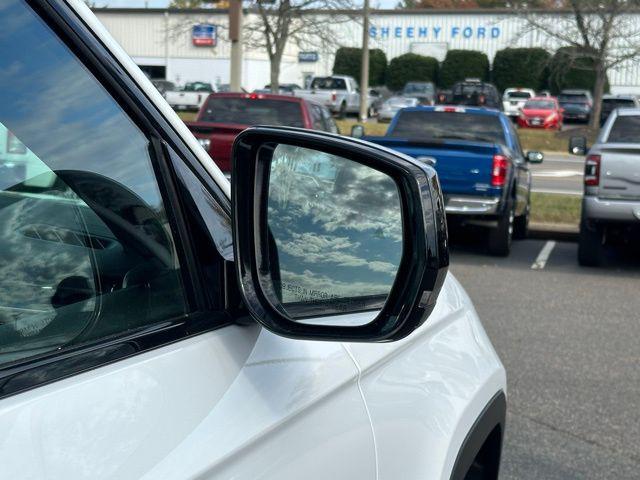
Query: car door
x,y
122,354
523,174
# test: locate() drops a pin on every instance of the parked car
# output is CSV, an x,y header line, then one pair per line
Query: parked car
x,y
226,88
339,93
425,92
158,323
190,97
611,102
17,164
224,115
541,112
577,104
513,99
611,201
474,92
163,85
483,171
393,105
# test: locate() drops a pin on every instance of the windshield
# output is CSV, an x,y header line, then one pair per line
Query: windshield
x,y
431,125
572,98
625,129
610,104
401,102
517,95
197,87
328,83
539,105
249,111
418,88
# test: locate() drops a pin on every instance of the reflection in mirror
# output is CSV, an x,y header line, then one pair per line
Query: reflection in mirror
x,y
336,228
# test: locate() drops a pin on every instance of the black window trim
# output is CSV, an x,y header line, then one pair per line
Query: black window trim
x,y
23,375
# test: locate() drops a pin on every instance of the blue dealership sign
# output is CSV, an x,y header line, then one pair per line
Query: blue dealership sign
x,y
204,35
308,57
434,32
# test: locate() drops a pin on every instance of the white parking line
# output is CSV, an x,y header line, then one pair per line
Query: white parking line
x,y
543,256
558,191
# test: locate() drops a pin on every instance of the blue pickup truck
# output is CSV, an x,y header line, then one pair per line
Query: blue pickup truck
x,y
483,171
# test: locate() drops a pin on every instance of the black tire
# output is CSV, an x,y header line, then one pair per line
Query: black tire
x,y
500,237
521,224
342,113
590,245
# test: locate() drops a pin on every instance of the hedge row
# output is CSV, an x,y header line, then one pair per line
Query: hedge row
x,y
512,67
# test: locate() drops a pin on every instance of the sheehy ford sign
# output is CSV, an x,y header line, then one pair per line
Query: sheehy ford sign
x,y
434,32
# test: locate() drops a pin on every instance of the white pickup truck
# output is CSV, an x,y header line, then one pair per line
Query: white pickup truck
x,y
340,93
611,202
514,99
190,97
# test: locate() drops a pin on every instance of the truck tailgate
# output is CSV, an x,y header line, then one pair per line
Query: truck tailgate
x,y
463,167
620,171
221,136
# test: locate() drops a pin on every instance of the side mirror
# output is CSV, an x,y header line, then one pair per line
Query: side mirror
x,y
357,131
535,157
578,145
335,239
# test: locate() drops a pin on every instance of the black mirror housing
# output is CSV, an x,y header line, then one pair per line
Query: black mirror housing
x,y
424,259
578,145
535,157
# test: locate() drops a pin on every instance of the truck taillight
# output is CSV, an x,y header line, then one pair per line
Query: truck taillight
x,y
334,96
499,170
592,171
14,145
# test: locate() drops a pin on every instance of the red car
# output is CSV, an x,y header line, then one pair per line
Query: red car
x,y
541,112
225,115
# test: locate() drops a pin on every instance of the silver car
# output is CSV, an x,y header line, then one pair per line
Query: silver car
x,y
611,204
393,105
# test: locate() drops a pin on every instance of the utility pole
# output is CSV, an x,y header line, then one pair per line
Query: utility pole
x,y
364,73
235,35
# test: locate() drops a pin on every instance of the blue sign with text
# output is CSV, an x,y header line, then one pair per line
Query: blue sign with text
x,y
308,57
434,32
204,35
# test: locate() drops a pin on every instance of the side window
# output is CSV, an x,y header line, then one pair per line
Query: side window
x,y
87,249
316,117
516,140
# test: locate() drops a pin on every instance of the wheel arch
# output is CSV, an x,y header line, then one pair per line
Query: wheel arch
x,y
491,419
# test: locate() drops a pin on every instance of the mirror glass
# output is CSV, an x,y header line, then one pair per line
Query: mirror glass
x,y
535,157
335,230
357,131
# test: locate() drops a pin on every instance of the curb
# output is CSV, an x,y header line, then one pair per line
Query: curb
x,y
554,231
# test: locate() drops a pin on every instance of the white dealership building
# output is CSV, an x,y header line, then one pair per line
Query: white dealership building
x,y
165,43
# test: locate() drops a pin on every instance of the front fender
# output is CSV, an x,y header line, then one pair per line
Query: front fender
x,y
425,393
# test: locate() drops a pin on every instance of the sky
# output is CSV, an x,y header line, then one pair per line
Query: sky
x,y
164,3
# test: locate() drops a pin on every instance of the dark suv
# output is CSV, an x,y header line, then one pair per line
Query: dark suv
x,y
473,92
577,104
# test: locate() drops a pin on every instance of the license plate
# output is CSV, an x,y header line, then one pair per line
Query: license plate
x,y
536,121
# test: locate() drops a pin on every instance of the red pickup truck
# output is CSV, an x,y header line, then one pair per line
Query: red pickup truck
x,y
225,115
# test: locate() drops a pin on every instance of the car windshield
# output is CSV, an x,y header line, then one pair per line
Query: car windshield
x,y
432,125
572,98
418,88
252,111
625,129
328,83
610,104
539,105
197,87
518,95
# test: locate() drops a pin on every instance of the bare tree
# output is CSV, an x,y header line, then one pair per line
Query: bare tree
x,y
606,32
307,23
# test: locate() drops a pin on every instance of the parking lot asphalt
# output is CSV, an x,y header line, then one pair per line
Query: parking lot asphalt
x,y
558,173
569,338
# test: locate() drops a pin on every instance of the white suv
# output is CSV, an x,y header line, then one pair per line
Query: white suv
x,y
513,99
156,323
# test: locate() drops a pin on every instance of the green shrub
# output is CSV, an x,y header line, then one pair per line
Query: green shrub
x,y
411,67
461,64
570,69
521,67
348,61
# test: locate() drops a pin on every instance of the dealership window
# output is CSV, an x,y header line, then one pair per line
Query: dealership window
x,y
87,250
